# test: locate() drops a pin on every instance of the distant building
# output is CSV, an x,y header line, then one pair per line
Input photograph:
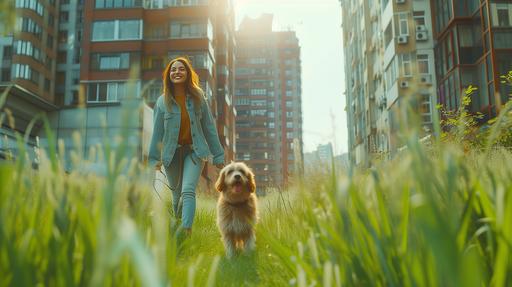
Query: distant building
x,y
268,101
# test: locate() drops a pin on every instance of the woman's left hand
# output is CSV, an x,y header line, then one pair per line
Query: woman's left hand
x,y
219,165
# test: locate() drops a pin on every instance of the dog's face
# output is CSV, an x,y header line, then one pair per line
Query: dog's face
x,y
236,180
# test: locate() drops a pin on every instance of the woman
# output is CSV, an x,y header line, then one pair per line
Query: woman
x,y
184,136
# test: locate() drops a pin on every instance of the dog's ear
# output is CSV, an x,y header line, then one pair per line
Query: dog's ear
x,y
220,185
251,181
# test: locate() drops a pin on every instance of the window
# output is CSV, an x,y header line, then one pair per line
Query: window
x,y
388,34
47,84
6,75
117,30
243,102
259,103
31,4
258,112
289,125
391,74
28,25
106,92
49,41
258,92
406,65
191,29
115,61
257,61
502,14
419,18
423,66
28,49
129,29
7,53
118,4
34,76
64,16
21,71
63,37
187,2
403,24
289,104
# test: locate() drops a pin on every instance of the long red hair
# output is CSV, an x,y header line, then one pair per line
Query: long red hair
x,y
192,88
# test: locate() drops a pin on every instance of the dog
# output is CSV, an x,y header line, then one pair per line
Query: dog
x,y
237,211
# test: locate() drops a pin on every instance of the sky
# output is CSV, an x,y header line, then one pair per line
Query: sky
x,y
317,24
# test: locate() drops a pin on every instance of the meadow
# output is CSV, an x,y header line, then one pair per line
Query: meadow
x,y
436,214
425,218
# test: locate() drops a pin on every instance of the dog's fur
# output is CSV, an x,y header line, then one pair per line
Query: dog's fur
x,y
237,211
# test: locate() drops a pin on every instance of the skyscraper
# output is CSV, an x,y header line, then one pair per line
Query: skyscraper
x,y
389,61
268,101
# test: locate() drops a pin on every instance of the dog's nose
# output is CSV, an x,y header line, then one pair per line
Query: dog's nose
x,y
238,176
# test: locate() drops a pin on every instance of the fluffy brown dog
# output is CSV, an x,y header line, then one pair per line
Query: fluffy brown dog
x,y
237,211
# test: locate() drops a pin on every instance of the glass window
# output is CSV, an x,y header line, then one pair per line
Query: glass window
x,y
191,29
129,29
403,24
110,62
103,30
423,65
406,65
501,14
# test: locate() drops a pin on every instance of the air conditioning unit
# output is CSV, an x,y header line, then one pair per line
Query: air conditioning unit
x,y
402,39
426,79
421,28
404,84
421,36
400,1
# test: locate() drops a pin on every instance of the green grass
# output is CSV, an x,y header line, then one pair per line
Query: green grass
x,y
432,216
419,220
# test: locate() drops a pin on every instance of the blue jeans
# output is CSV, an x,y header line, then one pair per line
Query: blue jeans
x,y
183,175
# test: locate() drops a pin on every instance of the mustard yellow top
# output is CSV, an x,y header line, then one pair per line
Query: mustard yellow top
x,y
185,133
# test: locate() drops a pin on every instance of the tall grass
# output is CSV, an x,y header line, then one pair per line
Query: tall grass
x,y
437,216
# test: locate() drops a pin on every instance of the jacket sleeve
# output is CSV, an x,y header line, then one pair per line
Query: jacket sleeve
x,y
155,147
210,133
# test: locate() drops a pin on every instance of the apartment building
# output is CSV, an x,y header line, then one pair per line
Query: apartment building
x,y
389,65
473,47
28,66
268,101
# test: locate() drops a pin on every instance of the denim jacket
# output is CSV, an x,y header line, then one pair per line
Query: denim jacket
x,y
166,130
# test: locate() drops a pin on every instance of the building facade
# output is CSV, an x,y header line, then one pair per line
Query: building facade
x,y
474,44
268,101
389,65
28,64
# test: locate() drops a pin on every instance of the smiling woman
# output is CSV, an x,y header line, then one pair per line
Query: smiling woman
x,y
184,136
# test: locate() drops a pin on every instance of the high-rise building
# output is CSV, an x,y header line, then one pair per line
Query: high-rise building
x,y
389,61
28,64
474,47
268,101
